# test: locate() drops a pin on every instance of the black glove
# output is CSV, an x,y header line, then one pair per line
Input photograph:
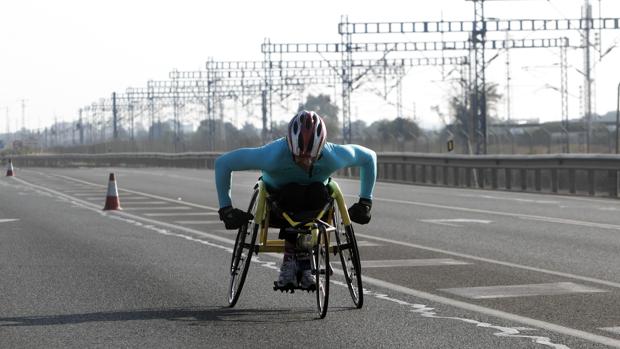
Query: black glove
x,y
360,211
234,218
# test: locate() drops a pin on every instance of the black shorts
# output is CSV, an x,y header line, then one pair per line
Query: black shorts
x,y
299,201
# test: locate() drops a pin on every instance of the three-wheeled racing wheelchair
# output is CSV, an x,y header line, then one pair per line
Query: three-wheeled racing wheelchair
x,y
314,236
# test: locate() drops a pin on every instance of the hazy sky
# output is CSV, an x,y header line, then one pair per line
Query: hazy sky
x,y
61,55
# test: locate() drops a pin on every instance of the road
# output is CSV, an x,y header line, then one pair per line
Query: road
x,y
443,268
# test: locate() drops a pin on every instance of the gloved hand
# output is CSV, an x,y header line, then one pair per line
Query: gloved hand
x,y
360,212
234,218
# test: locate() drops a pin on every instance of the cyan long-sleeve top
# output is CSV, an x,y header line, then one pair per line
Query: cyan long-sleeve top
x,y
278,168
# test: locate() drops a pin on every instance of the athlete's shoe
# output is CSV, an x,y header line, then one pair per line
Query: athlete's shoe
x,y
307,280
288,274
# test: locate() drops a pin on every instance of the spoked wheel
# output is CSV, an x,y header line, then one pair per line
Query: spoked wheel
x,y
350,258
242,254
320,267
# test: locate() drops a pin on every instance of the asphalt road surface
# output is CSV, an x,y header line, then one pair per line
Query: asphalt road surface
x,y
443,268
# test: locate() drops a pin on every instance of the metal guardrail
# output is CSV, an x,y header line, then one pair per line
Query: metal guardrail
x,y
574,174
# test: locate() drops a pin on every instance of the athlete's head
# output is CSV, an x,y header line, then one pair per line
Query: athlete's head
x,y
306,137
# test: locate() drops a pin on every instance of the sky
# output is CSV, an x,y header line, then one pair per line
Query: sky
x,y
58,56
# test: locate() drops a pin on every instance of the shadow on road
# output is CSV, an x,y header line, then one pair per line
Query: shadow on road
x,y
195,316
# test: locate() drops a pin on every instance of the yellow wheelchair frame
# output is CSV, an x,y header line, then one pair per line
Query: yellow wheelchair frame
x,y
332,220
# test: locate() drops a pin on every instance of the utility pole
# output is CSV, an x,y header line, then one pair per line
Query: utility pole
x,y
477,44
587,16
618,119
114,117
81,126
23,115
508,82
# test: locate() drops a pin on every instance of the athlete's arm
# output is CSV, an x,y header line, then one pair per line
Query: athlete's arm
x,y
353,155
236,160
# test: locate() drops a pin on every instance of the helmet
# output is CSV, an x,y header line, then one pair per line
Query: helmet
x,y
306,134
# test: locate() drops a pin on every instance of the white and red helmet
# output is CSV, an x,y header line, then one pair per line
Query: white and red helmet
x,y
306,134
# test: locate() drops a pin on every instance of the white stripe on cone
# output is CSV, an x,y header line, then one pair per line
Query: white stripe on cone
x,y
111,201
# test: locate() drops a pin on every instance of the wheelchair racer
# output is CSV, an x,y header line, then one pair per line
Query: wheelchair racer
x,y
295,170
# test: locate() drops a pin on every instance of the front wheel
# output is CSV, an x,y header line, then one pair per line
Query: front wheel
x,y
321,272
350,259
242,254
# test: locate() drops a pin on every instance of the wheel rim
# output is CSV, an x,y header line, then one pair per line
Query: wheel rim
x,y
321,265
242,255
349,257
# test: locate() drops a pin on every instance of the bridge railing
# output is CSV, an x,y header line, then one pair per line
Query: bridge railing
x,y
575,174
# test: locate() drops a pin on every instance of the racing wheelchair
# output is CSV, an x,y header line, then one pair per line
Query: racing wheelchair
x,y
314,236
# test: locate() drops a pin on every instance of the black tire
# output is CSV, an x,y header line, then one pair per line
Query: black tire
x,y
242,254
350,258
320,254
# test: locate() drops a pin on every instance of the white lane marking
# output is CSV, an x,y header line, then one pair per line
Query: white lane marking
x,y
505,291
141,193
90,193
6,220
415,187
456,254
123,198
157,208
145,202
493,261
450,222
505,214
365,243
615,330
511,331
608,208
411,262
134,198
198,222
181,214
493,197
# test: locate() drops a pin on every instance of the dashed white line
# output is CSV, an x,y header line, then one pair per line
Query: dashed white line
x,y
505,291
615,329
411,262
168,214
180,208
198,222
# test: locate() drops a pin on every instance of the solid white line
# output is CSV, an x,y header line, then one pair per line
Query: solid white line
x,y
394,287
497,313
6,220
494,261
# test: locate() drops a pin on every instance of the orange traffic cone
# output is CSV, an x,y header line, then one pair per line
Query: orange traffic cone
x,y
111,200
9,169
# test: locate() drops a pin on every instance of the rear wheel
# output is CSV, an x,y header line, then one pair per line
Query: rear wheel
x,y
321,272
350,258
242,254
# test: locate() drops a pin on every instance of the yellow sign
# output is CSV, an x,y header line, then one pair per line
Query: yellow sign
x,y
451,145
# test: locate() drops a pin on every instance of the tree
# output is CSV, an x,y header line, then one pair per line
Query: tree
x,y
322,105
462,115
